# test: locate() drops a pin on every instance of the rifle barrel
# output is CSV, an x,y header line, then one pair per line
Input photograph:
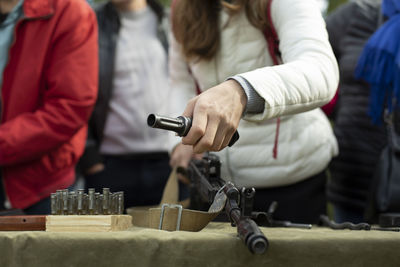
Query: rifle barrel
x,y
247,229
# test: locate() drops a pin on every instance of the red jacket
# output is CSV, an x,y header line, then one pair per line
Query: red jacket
x,y
49,89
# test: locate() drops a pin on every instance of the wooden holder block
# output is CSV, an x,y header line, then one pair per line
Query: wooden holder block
x,y
88,223
23,223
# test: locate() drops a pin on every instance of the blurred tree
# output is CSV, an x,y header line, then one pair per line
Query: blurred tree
x,y
334,4
165,2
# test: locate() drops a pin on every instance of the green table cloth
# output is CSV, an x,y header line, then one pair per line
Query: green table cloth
x,y
216,245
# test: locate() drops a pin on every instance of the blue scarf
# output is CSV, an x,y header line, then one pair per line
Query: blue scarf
x,y
379,63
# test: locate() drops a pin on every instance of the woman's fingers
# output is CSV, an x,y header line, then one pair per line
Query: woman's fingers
x,y
199,122
206,142
215,116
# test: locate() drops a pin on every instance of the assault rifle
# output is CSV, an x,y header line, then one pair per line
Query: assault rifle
x,y
208,187
206,183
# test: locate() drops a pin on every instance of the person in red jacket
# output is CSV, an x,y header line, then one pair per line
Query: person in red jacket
x,y
48,90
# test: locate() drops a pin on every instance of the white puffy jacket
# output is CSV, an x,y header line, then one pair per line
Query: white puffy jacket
x,y
292,91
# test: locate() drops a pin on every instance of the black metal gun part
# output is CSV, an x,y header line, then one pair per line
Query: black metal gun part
x,y
325,221
205,177
269,220
247,229
181,125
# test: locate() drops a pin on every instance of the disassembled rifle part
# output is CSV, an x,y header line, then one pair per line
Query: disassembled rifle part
x,y
181,125
325,221
247,229
65,202
267,219
208,184
205,177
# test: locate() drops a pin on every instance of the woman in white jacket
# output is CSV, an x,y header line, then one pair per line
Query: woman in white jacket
x,y
286,142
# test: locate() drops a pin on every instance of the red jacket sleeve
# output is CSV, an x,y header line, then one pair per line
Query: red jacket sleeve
x,y
69,82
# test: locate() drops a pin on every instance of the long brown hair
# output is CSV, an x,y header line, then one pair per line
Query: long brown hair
x,y
196,23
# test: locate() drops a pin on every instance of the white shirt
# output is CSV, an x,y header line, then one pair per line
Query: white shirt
x,y
140,87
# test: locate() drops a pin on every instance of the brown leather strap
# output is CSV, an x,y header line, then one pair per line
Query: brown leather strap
x,y
190,220
171,189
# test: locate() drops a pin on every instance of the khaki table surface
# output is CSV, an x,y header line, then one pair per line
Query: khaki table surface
x,y
216,245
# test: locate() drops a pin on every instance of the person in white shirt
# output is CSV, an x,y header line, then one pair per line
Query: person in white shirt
x,y
122,153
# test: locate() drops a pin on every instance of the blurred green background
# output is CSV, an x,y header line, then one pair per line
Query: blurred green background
x,y
165,2
334,4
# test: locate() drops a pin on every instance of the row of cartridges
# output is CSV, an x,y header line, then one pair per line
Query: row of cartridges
x,y
65,202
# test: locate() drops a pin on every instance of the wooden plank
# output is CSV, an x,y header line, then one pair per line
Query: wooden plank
x,y
23,223
88,223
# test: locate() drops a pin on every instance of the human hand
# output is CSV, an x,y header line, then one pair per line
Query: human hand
x,y
216,114
180,157
98,167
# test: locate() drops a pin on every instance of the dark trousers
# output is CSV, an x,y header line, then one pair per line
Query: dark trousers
x,y
43,207
40,208
302,202
2,194
141,177
344,214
